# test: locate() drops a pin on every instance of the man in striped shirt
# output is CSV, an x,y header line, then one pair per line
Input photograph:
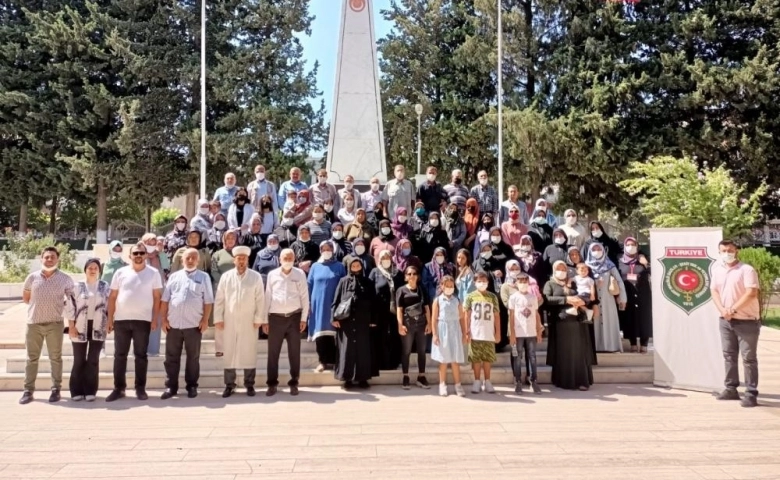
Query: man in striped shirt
x,y
485,195
457,192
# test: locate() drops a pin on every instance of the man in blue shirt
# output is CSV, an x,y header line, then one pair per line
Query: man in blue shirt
x,y
226,193
294,184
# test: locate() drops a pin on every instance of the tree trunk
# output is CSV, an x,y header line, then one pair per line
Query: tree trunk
x,y
102,212
23,216
192,198
53,215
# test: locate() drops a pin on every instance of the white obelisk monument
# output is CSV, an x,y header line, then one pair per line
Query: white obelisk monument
x,y
356,145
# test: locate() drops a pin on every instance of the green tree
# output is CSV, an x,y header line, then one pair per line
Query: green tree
x,y
673,192
768,268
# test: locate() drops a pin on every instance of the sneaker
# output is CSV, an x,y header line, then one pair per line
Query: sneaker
x,y
422,382
406,385
749,401
459,390
115,395
489,387
443,389
519,388
77,398
319,368
90,398
55,395
728,394
476,387
536,388
27,397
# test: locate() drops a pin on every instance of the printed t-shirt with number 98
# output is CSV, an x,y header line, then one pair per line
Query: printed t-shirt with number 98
x,y
482,307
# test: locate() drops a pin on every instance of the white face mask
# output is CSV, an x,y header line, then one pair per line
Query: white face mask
x,y
273,248
402,219
560,240
181,226
260,176
481,286
317,216
219,224
323,180
338,235
631,249
597,233
349,203
399,176
203,210
571,221
728,257
483,181
513,274
386,264
348,185
439,259
540,220
431,177
287,222
561,275
449,290
434,223
150,248
495,239
301,200
190,270
287,265
289,204
49,269
360,249
597,254
486,255
328,208
522,288
374,187
386,230
115,255
327,255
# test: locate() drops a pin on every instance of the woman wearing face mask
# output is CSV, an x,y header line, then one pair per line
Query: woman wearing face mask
x,y
573,258
570,352
253,238
472,221
270,220
636,319
160,262
464,281
455,228
360,228
438,268
115,261
375,216
414,322
573,230
431,238
558,251
607,325
353,334
240,211
508,288
222,262
176,238
404,257
319,227
330,211
347,213
324,277
385,240
485,263
420,217
483,233
202,221
552,220
359,250
193,241
342,246
531,261
599,235
214,236
268,258
400,225
385,341
286,231
306,251
540,231
303,208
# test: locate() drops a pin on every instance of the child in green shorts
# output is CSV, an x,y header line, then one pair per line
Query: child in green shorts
x,y
481,309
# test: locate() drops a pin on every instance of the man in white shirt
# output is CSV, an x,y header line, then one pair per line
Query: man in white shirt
x,y
287,308
370,198
398,192
133,310
186,306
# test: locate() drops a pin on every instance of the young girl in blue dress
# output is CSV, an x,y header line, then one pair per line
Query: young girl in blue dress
x,y
449,335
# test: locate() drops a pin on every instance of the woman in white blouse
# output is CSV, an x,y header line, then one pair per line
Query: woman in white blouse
x,y
346,214
240,211
87,315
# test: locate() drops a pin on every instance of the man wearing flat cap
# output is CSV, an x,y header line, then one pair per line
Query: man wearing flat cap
x,y
238,313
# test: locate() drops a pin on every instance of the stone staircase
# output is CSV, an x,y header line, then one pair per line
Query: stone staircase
x,y
613,368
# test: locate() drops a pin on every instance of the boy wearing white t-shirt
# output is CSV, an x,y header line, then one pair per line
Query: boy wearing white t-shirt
x,y
525,330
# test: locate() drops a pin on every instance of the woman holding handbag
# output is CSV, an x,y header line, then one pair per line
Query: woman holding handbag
x,y
609,284
414,323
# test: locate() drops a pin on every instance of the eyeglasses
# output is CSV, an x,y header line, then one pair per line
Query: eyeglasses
x,y
138,254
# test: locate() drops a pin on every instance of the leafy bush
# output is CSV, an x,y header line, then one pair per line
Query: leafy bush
x,y
21,249
164,216
768,268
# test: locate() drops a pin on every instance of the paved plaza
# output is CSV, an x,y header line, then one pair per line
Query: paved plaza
x,y
612,431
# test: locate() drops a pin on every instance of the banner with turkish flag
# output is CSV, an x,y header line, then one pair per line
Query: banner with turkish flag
x,y
686,338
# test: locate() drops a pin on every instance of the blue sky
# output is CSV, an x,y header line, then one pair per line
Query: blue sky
x,y
322,45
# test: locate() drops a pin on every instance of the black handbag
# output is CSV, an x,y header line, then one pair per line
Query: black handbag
x,y
344,309
414,312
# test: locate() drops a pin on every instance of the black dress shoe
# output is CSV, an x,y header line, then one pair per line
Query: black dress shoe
x,y
270,392
167,394
27,397
192,392
140,394
728,394
364,385
348,386
749,401
115,395
228,392
250,391
294,390
55,395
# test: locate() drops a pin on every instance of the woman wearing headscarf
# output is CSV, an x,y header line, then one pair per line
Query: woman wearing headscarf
x,y
483,233
436,269
194,240
342,246
419,217
386,342
569,349
360,251
400,225
302,208
485,263
214,235
573,230
360,228
253,238
114,262
573,258
330,213
540,231
607,324
513,228
464,281
502,252
636,320
376,215
268,258
558,251
161,262
353,334
531,261
347,213
542,205
176,238
599,235
306,251
287,231
86,311
222,262
471,219
324,277
319,227
404,257
431,238
202,221
455,228
385,240
240,212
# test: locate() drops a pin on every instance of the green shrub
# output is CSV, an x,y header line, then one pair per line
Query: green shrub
x,y
164,216
768,268
21,249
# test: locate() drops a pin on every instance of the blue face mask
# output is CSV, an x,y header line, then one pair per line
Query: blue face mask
x,y
406,251
420,212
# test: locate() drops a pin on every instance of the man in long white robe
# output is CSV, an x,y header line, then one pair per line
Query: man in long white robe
x,y
238,312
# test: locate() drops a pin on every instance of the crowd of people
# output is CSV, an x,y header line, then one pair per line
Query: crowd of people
x,y
370,277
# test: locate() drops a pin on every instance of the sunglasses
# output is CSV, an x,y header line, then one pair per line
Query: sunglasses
x,y
138,254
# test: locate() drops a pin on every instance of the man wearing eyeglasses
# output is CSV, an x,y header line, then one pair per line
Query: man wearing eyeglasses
x,y
133,310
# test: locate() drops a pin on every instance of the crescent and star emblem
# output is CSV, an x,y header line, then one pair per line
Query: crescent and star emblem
x,y
687,280
357,5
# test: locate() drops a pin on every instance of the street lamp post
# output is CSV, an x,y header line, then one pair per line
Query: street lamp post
x,y
202,98
499,76
419,110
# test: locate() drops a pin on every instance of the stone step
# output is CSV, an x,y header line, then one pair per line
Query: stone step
x,y
309,360
213,380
